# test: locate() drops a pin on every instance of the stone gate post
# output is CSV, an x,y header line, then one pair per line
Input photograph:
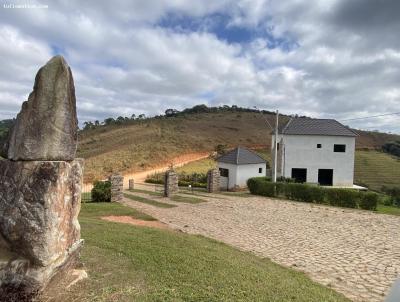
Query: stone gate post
x,y
213,181
117,187
170,183
131,184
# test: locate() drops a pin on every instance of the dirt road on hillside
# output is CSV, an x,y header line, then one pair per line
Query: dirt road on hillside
x,y
177,162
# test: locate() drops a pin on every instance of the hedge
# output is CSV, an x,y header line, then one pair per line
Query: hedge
x,y
311,193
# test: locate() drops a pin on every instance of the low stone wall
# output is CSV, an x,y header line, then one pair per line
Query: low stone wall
x,y
170,183
117,187
213,181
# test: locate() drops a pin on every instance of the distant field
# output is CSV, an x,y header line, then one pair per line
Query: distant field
x,y
376,169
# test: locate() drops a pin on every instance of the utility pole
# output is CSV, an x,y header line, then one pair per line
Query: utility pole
x,y
276,146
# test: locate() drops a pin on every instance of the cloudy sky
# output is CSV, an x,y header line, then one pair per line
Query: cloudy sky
x,y
329,59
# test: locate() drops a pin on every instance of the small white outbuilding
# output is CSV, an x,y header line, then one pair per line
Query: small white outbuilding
x,y
238,165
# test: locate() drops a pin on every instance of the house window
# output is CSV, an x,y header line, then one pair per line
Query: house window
x,y
224,172
277,146
339,148
260,170
319,146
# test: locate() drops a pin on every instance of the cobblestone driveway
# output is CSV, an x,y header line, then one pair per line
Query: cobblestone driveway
x,y
355,252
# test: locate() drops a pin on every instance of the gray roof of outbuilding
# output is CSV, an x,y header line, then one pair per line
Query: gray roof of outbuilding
x,y
241,156
309,126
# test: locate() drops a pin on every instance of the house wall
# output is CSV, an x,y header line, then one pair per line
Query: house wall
x,y
239,174
232,173
244,172
300,151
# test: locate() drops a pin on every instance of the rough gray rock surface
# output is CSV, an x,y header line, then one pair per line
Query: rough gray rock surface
x,y
39,206
47,126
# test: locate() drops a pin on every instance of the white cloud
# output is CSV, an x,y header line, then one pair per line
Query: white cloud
x,y
341,59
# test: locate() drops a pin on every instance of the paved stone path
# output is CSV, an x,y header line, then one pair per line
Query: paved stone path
x,y
355,252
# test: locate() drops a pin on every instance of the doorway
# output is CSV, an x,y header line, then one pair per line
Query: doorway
x,y
325,177
300,175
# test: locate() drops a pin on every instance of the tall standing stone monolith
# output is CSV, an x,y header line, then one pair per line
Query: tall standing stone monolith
x,y
40,187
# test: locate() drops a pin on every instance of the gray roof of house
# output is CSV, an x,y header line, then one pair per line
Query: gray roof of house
x,y
241,156
309,126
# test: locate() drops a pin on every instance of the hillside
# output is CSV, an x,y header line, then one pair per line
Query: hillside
x,y
376,169
142,144
128,145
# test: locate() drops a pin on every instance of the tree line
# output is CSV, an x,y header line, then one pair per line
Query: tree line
x,y
170,113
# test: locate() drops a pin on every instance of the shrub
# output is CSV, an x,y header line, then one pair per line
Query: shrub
x,y
317,194
154,181
343,198
193,177
368,201
309,193
261,186
285,179
101,191
194,184
394,193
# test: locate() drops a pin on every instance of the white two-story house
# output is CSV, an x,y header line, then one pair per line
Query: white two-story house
x,y
316,151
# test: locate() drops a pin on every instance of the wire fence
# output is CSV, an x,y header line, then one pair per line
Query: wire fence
x,y
142,186
87,192
160,188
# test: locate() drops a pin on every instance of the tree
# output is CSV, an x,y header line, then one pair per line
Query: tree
x,y
220,149
120,120
109,121
87,125
392,148
133,116
171,112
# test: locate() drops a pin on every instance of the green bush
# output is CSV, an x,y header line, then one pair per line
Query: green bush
x,y
343,198
285,179
154,181
194,184
310,193
394,194
368,201
101,191
261,186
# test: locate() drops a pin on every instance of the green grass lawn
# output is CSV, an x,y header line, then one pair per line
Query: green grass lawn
x,y
187,199
153,193
149,201
129,263
376,169
388,210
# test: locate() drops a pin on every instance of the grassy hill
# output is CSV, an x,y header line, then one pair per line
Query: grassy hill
x,y
143,144
134,145
376,169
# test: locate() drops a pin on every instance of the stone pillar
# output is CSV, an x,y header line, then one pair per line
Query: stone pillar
x,y
117,187
213,178
170,183
40,188
131,184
